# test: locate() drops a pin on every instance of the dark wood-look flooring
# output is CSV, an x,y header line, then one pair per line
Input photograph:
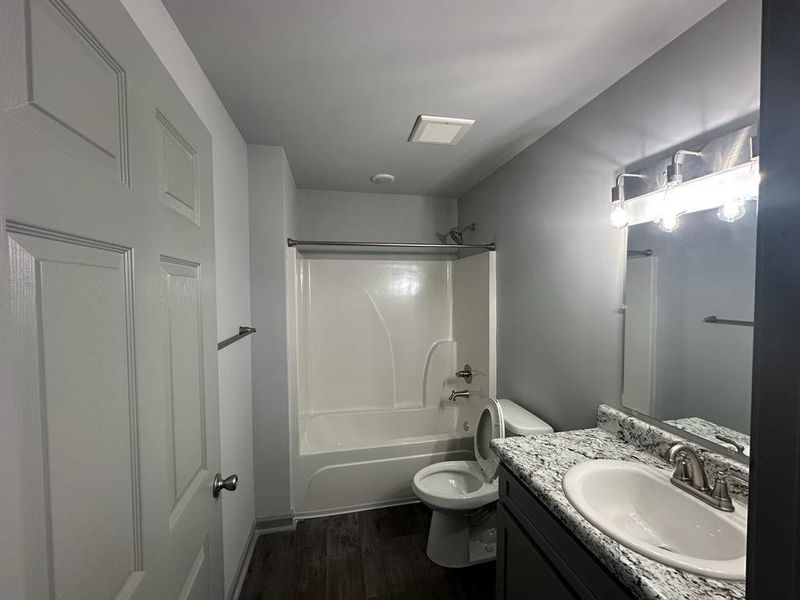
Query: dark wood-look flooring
x,y
370,555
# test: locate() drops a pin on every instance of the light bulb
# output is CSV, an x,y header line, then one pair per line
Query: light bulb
x,y
732,210
669,222
671,209
619,214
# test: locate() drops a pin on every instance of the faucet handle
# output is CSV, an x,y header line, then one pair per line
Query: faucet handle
x,y
720,493
466,373
682,469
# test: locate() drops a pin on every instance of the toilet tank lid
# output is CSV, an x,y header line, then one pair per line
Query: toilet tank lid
x,y
520,421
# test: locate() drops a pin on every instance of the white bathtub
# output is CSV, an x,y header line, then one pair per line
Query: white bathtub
x,y
370,429
349,461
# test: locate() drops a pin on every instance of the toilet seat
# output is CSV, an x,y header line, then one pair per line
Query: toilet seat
x,y
491,425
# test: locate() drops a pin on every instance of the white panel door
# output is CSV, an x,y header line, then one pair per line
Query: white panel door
x,y
475,328
108,401
475,323
640,330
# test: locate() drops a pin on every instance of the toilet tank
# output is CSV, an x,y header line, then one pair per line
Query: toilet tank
x,y
519,421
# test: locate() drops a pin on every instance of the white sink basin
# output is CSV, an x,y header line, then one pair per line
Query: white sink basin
x,y
639,507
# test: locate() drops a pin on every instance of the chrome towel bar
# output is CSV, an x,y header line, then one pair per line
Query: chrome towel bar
x,y
243,332
717,321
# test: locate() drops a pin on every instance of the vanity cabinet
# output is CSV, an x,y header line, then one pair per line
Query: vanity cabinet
x,y
537,557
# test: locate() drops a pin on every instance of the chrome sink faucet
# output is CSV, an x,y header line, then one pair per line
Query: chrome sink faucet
x,y
690,476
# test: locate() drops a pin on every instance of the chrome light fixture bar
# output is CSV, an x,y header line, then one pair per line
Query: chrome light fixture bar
x,y
713,191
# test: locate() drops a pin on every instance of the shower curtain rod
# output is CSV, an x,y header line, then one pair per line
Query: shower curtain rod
x,y
292,243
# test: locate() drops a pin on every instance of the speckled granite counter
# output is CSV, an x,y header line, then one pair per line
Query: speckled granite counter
x,y
540,463
710,431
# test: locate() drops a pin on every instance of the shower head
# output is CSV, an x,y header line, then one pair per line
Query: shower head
x,y
457,235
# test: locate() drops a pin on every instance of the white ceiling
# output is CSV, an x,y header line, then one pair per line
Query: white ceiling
x,y
339,83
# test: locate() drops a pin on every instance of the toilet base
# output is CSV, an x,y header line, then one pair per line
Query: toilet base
x,y
458,540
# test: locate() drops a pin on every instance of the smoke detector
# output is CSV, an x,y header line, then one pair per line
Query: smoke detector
x,y
439,130
382,178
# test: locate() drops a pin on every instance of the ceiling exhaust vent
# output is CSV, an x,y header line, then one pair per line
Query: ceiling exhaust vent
x,y
439,130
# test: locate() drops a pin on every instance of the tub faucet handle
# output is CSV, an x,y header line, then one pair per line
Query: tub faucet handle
x,y
466,373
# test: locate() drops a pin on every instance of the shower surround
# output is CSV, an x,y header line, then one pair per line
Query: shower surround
x,y
373,352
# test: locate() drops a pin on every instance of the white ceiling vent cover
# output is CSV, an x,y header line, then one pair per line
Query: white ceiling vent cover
x,y
439,130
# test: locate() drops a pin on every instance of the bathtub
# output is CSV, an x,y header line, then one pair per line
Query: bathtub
x,y
355,460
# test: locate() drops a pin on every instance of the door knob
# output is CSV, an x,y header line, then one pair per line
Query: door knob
x,y
229,483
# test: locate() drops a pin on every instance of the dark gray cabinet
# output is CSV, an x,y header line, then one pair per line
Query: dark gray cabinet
x,y
538,558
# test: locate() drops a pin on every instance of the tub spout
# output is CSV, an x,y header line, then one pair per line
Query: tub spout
x,y
462,394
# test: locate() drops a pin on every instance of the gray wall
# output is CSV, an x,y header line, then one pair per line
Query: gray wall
x,y
272,197
559,264
349,216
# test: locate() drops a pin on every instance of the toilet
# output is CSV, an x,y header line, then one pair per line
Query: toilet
x,y
463,493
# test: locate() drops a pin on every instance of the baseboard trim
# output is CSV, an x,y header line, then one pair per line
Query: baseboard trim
x,y
258,528
311,514
276,523
244,562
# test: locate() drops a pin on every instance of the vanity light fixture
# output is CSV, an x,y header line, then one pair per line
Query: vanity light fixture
x,y
708,192
725,180
619,212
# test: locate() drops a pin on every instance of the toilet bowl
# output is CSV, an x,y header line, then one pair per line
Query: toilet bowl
x,y
457,485
462,493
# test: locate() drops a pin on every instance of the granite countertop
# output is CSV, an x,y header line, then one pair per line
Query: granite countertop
x,y
710,431
541,461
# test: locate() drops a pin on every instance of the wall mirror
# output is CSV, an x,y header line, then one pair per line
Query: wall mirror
x,y
689,295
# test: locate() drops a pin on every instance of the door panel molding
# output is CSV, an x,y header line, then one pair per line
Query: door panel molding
x,y
68,87
183,331
68,365
195,586
177,170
